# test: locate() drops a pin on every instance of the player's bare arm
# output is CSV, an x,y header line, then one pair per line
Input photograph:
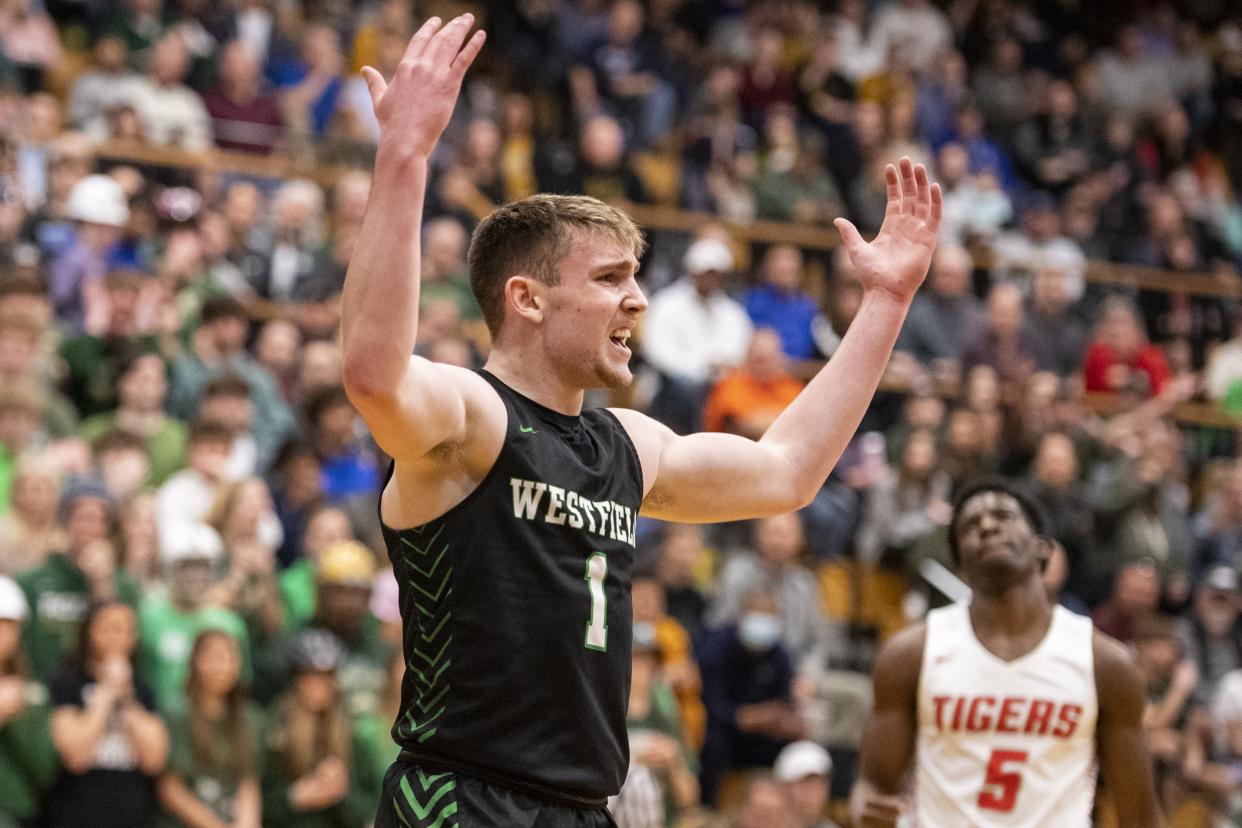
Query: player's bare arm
x,y
712,477
888,740
411,405
1120,741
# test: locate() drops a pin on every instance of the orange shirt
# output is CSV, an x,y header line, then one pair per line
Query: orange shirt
x,y
740,396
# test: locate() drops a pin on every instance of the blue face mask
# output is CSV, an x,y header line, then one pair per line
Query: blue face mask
x,y
759,631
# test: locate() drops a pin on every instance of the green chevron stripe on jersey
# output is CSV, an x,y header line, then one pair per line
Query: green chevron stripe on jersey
x,y
429,574
427,800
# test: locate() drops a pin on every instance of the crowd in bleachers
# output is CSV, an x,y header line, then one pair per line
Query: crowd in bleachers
x,y
198,624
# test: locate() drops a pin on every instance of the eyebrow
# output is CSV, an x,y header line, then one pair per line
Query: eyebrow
x,y
628,264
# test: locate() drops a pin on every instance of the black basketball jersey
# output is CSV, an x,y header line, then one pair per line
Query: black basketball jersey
x,y
516,612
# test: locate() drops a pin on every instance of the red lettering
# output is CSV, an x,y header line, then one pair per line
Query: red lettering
x,y
978,720
957,714
1038,717
940,702
1067,720
1009,712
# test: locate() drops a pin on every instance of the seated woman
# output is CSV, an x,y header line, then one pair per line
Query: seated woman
x,y
213,768
317,772
111,744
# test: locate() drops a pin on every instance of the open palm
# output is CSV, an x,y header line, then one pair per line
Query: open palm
x,y
897,259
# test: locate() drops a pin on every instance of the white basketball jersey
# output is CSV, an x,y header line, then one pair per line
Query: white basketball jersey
x,y
1005,743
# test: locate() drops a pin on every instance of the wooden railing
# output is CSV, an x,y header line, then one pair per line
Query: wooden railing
x,y
659,217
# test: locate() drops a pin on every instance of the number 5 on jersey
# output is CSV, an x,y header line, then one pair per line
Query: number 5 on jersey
x,y
597,628
1000,786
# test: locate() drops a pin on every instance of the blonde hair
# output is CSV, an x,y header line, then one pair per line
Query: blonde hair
x,y
533,236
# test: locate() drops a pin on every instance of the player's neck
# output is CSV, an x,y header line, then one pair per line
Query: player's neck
x,y
1012,610
535,379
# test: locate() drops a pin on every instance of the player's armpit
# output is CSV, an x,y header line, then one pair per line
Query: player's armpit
x,y
432,405
888,739
1120,741
710,476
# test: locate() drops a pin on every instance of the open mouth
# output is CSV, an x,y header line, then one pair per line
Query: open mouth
x,y
621,340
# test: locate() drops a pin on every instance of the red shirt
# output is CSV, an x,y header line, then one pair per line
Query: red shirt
x,y
1100,357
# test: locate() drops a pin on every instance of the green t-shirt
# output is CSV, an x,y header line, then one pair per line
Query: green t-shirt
x,y
215,784
355,810
58,595
28,761
454,287
167,634
165,448
7,465
297,592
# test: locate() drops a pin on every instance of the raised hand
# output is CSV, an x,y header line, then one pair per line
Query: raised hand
x,y
414,108
896,260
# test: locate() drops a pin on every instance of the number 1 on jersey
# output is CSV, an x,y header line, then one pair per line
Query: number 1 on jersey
x,y
597,628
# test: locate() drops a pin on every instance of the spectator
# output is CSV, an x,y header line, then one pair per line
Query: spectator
x,y
781,303
277,350
1055,485
803,192
246,521
315,771
297,491
606,171
290,271
444,267
171,113
1135,595
142,387
1039,244
1133,81
907,504
627,73
657,741
98,206
747,684
19,430
326,526
226,400
778,542
1057,337
805,770
84,573
765,803
138,542
1169,680
111,742
169,625
311,104
102,88
1003,344
944,316
1120,353
244,117
672,646
213,762
120,458
692,332
186,498
916,29
680,555
30,532
349,465
748,400
29,762
219,347
1211,635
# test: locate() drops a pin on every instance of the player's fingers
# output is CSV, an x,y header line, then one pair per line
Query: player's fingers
x,y
469,52
849,235
909,190
418,43
922,204
447,42
893,186
937,207
376,84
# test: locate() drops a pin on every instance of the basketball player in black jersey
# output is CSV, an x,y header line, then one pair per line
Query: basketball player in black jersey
x,y
510,511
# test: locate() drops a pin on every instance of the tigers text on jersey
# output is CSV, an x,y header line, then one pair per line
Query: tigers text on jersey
x,y
516,612
1005,743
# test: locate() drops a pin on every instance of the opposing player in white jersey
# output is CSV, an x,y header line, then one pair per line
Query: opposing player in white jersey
x,y
1006,705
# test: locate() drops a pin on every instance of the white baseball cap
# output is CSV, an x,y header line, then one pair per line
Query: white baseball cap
x,y
191,542
98,199
12,600
800,760
708,254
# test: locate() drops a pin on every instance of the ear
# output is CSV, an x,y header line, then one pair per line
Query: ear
x,y
1044,550
527,296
